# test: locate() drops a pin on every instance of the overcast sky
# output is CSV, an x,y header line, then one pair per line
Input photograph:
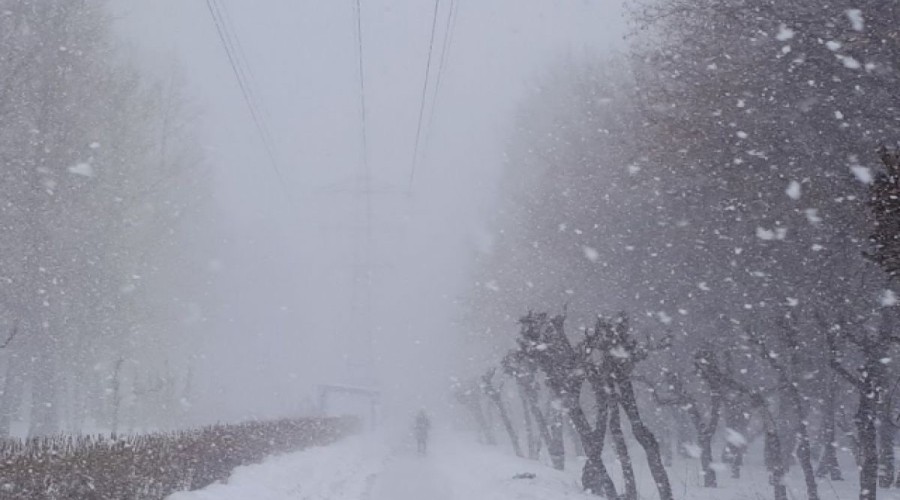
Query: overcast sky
x,y
286,262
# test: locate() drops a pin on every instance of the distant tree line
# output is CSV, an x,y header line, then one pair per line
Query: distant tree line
x,y
100,175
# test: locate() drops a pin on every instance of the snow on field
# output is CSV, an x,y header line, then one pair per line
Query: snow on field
x,y
457,468
481,473
686,479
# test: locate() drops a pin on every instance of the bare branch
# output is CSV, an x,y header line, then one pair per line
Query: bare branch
x,y
836,365
839,368
12,335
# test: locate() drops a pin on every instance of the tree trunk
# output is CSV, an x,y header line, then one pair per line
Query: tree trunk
x,y
886,432
11,399
473,402
870,388
554,449
43,419
645,438
116,397
787,433
576,439
532,439
773,455
665,445
804,453
496,398
705,437
868,443
828,462
615,430
594,478
737,421
682,432
556,446
705,433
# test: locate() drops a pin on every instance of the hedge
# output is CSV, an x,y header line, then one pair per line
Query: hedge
x,y
151,466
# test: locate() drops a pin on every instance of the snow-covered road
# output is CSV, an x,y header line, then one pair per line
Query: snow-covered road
x,y
343,471
373,467
411,478
367,468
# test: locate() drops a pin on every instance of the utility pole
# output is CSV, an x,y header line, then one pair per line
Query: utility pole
x,y
363,248
362,368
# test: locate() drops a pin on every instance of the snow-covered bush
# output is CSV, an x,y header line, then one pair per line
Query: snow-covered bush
x,y
150,466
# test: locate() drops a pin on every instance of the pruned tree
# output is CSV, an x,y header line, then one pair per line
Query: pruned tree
x,y
605,358
544,341
533,437
621,353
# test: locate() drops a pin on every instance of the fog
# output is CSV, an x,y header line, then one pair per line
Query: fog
x,y
279,319
516,239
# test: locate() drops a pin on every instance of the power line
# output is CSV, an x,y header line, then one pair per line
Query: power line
x,y
445,49
234,48
363,245
224,38
445,52
244,64
415,160
362,86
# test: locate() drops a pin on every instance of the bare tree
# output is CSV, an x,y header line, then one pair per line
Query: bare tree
x,y
621,353
870,383
791,387
757,399
545,342
677,396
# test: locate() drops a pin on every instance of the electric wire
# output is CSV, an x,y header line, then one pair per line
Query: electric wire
x,y
215,14
445,49
362,87
243,61
235,47
415,159
442,63
363,267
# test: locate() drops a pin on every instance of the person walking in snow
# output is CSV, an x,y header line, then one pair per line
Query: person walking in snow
x,y
422,426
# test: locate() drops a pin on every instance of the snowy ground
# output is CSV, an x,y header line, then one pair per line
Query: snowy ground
x,y
364,468
367,468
